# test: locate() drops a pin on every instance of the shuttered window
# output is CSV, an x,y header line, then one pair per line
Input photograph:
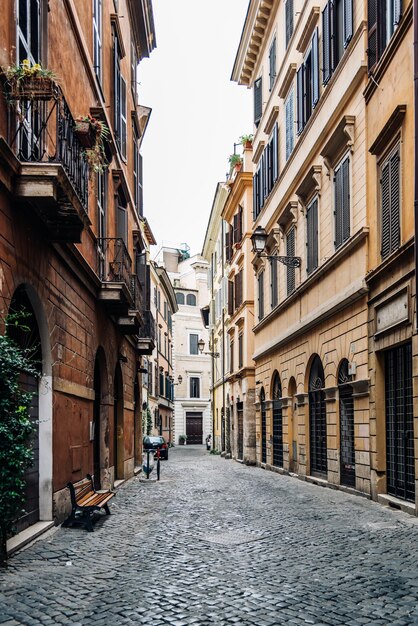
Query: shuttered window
x,y
312,236
290,132
122,220
231,305
342,202
240,350
390,204
274,299
337,31
383,17
290,251
307,84
97,38
289,20
260,295
258,100
272,64
119,107
238,289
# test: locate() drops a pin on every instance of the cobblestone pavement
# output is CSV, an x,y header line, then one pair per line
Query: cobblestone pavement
x,y
216,542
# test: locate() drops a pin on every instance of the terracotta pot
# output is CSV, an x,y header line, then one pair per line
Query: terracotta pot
x,y
32,88
248,145
85,134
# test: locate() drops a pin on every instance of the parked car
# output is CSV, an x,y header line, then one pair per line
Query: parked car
x,y
156,443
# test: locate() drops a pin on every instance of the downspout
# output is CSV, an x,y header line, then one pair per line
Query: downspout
x,y
415,18
223,334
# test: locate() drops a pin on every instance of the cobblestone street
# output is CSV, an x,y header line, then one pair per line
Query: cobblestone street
x,y
216,542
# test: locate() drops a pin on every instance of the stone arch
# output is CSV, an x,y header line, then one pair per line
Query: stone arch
x,y
26,297
276,397
101,421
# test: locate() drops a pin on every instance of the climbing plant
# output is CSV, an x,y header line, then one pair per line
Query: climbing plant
x,y
15,432
146,421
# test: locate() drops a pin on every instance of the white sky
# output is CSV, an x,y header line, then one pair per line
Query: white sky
x,y
197,113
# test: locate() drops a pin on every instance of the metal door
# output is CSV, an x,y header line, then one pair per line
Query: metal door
x,y
240,420
194,428
263,427
317,420
399,423
347,453
277,423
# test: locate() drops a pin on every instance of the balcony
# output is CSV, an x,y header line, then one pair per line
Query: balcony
x,y
115,273
146,336
53,175
130,323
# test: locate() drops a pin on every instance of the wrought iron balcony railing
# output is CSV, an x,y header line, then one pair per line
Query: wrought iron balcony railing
x,y
137,293
147,330
43,132
114,262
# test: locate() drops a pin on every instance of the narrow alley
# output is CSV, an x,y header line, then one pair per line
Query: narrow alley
x,y
217,542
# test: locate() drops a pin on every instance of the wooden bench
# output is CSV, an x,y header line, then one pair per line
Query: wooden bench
x,y
85,500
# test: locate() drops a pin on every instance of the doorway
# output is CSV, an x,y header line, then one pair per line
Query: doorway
x,y
194,427
118,433
277,423
317,420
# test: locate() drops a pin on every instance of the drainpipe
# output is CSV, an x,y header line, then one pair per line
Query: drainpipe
x,y
223,337
415,18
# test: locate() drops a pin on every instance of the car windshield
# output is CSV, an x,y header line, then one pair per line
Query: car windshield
x,y
154,439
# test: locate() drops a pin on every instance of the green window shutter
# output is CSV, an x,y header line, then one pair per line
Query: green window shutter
x,y
300,122
315,69
345,167
312,236
372,18
385,210
290,251
258,100
326,43
395,225
289,20
348,21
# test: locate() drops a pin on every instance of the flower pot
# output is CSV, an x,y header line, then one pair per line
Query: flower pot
x,y
32,88
248,145
85,134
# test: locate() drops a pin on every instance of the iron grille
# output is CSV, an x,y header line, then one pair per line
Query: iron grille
x,y
317,419
277,424
399,423
240,419
263,427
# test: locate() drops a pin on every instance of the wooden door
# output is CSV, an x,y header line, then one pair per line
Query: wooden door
x,y
194,428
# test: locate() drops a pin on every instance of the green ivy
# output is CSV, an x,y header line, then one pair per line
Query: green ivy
x,y
15,432
146,421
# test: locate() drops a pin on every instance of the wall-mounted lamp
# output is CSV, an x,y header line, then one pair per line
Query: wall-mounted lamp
x,y
259,239
179,378
201,346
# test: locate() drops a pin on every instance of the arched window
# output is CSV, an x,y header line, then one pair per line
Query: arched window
x,y
180,298
347,454
317,419
263,426
277,422
191,299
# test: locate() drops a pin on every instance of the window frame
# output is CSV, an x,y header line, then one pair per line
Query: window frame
x,y
385,161
190,335
194,378
339,242
97,39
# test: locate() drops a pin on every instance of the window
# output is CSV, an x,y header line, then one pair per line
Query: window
x,y
29,31
194,387
312,236
180,298
258,100
290,251
102,203
191,299
307,79
390,203
134,65
238,289
97,38
274,297
288,20
272,64
138,177
158,299
150,378
260,280
383,19
156,379
165,310
240,350
193,347
267,172
122,219
238,226
337,30
119,99
161,390
231,356
290,124
231,305
342,202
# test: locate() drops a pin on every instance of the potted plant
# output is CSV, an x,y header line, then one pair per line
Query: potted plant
x,y
247,141
86,129
235,162
92,134
182,439
29,82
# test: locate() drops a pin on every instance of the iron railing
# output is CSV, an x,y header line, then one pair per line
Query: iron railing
x,y
137,293
114,263
43,132
147,330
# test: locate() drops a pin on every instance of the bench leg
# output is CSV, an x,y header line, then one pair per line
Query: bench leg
x,y
106,508
69,521
88,522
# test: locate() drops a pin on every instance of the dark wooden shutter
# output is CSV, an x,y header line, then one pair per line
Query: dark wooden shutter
x,y
372,18
397,12
299,98
338,201
230,297
315,69
122,223
236,228
345,167
261,295
263,177
326,43
290,251
123,115
227,247
275,150
385,208
240,213
289,125
273,283
289,20
348,21
395,225
272,63
312,236
258,100
116,86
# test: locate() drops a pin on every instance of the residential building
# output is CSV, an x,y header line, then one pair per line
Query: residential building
x,y
74,243
240,410
213,250
306,64
188,274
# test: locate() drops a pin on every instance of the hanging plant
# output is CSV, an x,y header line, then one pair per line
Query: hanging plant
x,y
92,135
29,82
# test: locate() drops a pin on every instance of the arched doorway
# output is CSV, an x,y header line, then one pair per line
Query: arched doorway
x,y
347,454
118,434
293,427
96,424
26,334
317,420
263,426
277,422
137,424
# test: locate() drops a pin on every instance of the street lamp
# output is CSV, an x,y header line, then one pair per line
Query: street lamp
x,y
179,378
201,346
259,239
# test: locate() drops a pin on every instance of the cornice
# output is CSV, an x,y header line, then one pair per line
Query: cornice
x,y
242,182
